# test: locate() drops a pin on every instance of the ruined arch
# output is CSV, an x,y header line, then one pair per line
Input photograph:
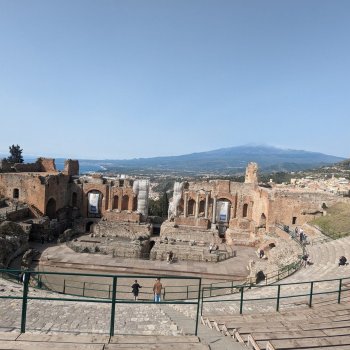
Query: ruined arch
x,y
191,206
125,202
51,208
245,210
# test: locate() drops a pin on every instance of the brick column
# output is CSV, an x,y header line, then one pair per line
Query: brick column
x,y
206,205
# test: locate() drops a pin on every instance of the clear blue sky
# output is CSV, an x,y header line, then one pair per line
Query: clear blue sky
x,y
139,78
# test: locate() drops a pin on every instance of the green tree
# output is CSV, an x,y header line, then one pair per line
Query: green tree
x,y
15,154
159,207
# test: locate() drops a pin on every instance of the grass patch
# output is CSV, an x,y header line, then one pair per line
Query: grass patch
x,y
336,223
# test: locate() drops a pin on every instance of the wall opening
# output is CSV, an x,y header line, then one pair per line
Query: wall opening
x,y
294,220
245,210
15,193
88,226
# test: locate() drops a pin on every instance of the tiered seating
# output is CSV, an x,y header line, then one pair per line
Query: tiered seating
x,y
320,328
324,326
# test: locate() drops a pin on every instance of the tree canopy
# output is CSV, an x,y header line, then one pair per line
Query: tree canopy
x,y
15,154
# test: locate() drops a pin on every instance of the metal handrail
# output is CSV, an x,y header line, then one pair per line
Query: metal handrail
x,y
240,288
113,300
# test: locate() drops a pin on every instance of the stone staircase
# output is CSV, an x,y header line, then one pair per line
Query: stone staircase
x,y
326,327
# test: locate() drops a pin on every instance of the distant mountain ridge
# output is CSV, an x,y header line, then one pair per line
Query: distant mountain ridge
x,y
228,160
231,160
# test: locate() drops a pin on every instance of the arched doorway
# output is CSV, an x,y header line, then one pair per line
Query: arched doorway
x,y
51,208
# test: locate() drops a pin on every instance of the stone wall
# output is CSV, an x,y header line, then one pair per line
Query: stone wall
x,y
124,230
71,167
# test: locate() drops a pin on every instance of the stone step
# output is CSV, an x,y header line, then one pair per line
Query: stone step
x,y
32,341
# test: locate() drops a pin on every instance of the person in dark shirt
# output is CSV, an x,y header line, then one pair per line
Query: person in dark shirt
x,y
135,289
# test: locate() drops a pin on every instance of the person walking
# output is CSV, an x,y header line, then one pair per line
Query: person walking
x,y
135,289
157,290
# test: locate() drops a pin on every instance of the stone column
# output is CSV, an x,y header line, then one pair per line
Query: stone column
x,y
206,205
186,204
214,210
120,200
197,205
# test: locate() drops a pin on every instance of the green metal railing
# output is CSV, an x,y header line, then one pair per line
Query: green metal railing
x,y
32,278
340,286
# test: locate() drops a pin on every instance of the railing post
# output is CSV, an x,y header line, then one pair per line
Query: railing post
x,y
232,287
109,291
266,277
114,292
202,301
164,293
311,292
64,286
241,302
198,303
187,292
339,291
84,289
211,286
25,301
278,297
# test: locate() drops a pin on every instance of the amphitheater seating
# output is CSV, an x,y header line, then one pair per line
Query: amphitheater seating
x,y
324,326
320,328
